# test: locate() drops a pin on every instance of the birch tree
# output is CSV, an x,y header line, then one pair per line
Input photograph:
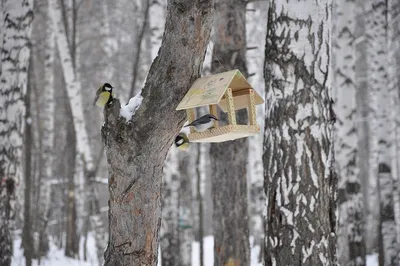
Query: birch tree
x,y
229,159
393,54
136,149
381,218
351,242
16,22
75,101
300,182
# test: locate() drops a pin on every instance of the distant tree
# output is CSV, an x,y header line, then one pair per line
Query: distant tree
x,y
47,141
169,242
136,149
351,226
15,30
229,159
185,222
300,183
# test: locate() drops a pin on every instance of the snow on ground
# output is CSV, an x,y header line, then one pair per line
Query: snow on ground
x,y
209,252
56,256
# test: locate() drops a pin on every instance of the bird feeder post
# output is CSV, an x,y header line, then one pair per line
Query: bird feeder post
x,y
230,107
191,117
251,108
213,111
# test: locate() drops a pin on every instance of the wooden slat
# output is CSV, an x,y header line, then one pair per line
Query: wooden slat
x,y
251,110
230,107
191,117
214,111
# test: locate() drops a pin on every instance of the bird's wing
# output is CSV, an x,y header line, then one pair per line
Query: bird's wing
x,y
98,92
103,98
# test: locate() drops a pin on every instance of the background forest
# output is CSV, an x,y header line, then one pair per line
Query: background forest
x,y
318,186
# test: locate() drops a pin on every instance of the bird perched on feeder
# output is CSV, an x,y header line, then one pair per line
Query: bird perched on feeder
x,y
203,123
182,141
104,95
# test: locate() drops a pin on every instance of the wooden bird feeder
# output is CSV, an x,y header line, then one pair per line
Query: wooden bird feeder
x,y
230,91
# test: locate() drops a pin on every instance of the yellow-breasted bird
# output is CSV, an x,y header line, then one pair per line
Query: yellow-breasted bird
x,y
182,141
104,95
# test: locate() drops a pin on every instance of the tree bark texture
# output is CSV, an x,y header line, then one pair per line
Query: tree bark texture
x,y
351,242
15,34
229,159
299,180
136,149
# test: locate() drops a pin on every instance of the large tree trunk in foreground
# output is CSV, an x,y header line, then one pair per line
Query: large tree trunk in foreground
x,y
229,159
136,149
351,242
16,21
300,183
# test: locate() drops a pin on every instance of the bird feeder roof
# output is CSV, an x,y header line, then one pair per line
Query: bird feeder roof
x,y
209,90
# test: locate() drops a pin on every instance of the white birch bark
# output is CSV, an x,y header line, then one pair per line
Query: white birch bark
x,y
83,147
351,243
73,86
393,48
390,197
300,183
255,169
17,16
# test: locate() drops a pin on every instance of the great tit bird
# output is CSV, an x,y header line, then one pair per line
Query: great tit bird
x,y
104,95
203,123
182,141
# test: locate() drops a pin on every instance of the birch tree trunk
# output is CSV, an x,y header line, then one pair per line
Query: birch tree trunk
x,y
300,183
16,16
137,149
351,243
229,159
376,54
170,210
393,49
74,93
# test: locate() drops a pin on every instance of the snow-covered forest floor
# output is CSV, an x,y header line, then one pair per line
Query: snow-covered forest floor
x,y
56,256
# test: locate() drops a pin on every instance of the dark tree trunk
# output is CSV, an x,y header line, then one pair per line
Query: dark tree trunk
x,y
72,239
185,231
299,180
229,159
136,149
27,229
200,203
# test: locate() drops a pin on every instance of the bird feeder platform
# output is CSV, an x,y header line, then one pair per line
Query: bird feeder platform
x,y
230,91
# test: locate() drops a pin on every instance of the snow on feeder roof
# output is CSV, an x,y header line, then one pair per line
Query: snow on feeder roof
x,y
230,91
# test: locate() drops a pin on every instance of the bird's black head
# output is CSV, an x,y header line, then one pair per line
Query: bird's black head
x,y
212,117
107,87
